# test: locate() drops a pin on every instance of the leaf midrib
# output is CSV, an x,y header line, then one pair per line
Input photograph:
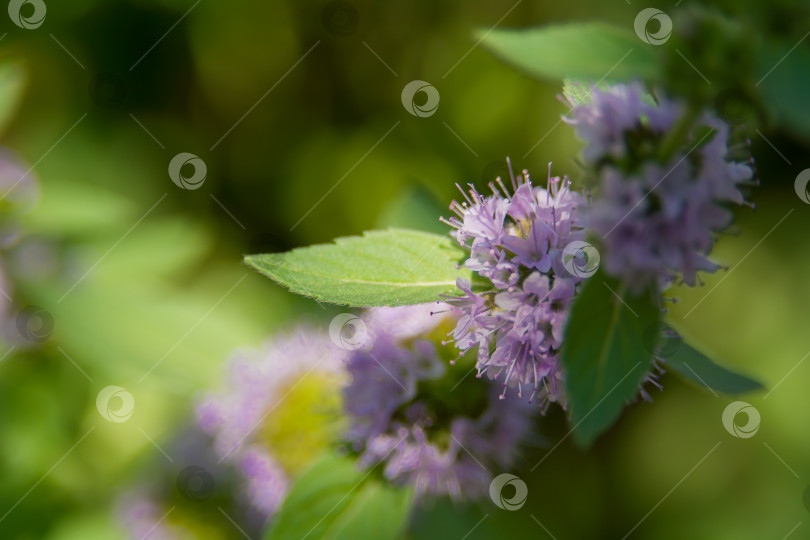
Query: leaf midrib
x,y
614,320
451,282
391,283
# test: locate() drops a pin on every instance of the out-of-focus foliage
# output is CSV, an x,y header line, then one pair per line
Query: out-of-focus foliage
x,y
335,500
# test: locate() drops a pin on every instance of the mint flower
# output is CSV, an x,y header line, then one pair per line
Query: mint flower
x,y
657,215
516,309
407,411
276,412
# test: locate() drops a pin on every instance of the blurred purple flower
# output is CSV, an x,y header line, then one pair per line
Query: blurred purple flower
x,y
258,384
268,483
604,122
657,220
400,413
143,518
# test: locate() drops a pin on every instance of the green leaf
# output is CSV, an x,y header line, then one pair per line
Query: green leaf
x,y
577,92
378,512
580,51
381,268
334,501
581,93
784,82
604,356
697,367
689,362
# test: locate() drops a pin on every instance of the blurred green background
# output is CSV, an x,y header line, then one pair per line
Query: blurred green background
x,y
147,291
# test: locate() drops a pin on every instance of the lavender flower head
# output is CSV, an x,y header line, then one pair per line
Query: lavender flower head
x,y
408,411
277,412
657,214
516,308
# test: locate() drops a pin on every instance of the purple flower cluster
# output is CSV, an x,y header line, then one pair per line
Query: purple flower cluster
x,y
657,215
259,386
400,414
516,308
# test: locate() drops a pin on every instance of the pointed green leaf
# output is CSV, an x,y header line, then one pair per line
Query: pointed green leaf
x,y
604,356
688,361
581,93
591,51
381,268
697,367
378,511
577,92
334,501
